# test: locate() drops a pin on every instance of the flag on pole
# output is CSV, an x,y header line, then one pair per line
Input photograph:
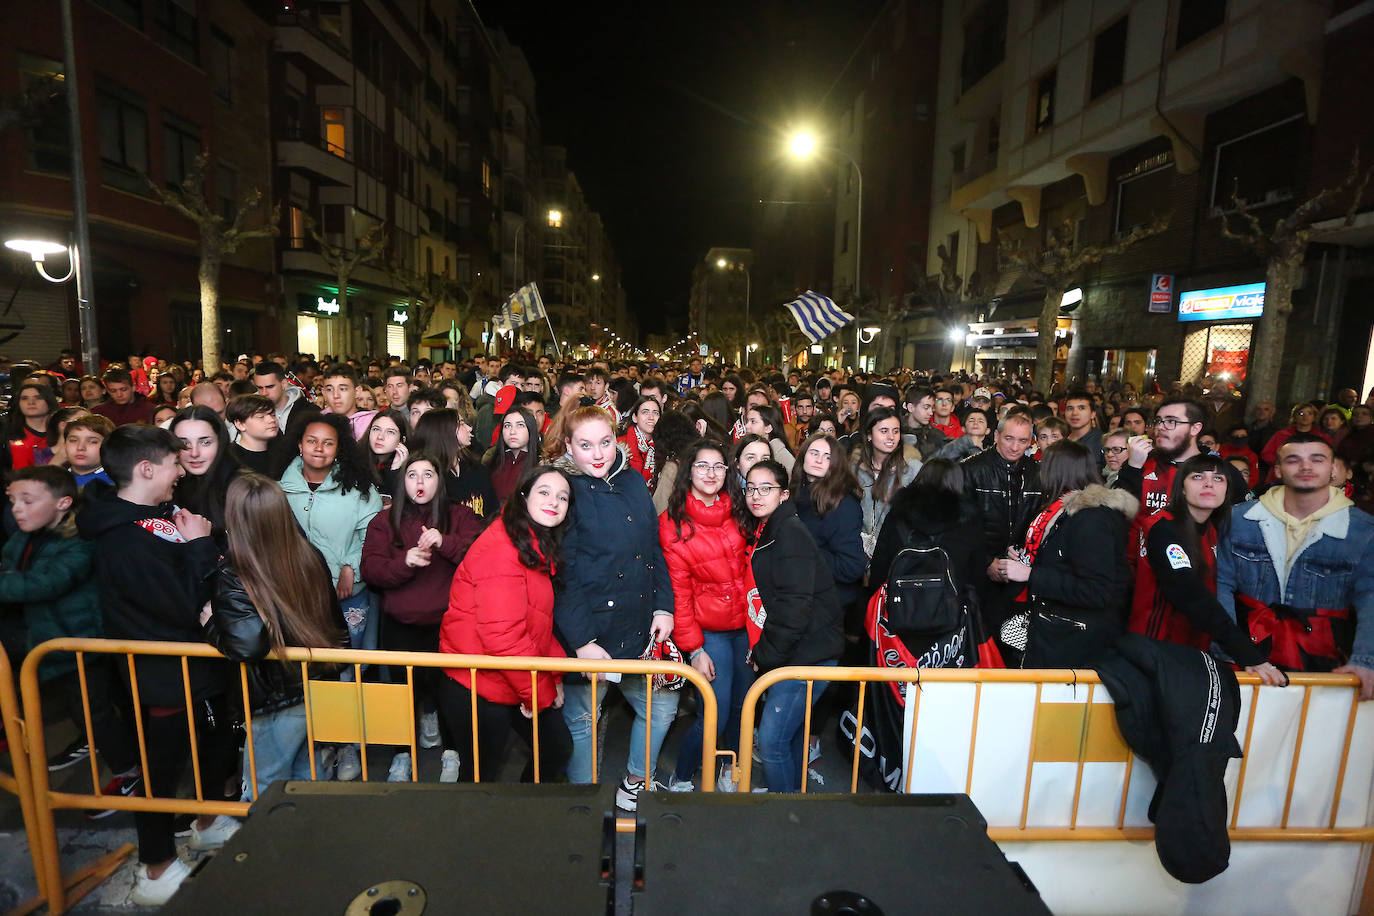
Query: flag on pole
x,y
521,307
817,316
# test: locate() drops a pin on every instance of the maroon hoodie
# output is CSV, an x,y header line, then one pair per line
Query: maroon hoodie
x,y
416,595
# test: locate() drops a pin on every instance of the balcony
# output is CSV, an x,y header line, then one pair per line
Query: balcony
x,y
302,153
298,35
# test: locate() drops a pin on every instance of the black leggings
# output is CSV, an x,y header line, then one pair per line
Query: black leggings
x,y
495,723
398,636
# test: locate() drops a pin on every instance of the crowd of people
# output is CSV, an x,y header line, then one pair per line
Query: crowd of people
x,y
740,521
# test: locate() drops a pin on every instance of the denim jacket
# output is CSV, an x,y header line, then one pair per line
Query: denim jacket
x,y
1334,567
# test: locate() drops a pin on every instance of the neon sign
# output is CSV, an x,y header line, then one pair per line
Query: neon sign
x,y
1224,302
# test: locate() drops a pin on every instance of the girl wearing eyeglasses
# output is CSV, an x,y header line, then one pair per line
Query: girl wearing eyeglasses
x,y
1176,587
826,494
704,549
794,616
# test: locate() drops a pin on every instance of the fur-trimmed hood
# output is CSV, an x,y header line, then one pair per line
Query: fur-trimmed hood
x,y
1096,496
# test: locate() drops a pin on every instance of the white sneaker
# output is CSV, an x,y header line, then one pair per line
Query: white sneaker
x,y
214,836
627,793
157,891
680,785
400,768
450,766
725,782
350,766
429,729
326,759
814,752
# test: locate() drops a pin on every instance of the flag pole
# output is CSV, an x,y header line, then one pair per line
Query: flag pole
x,y
556,348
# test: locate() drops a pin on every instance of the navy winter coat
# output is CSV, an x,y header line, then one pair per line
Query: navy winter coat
x,y
614,576
837,536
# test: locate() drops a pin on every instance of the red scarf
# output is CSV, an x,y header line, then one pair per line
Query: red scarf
x,y
755,615
1035,536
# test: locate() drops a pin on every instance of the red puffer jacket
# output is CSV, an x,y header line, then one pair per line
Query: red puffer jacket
x,y
499,606
707,568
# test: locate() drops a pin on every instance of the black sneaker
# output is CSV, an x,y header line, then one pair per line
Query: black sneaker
x,y
74,753
124,786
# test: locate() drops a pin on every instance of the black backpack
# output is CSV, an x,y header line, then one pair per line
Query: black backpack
x,y
921,594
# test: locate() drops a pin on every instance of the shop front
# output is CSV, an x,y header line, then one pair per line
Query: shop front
x,y
1219,343
319,322
1008,348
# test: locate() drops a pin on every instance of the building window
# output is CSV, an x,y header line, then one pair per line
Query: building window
x,y
335,131
1109,58
180,146
1143,198
1042,117
227,191
463,100
464,269
176,28
555,219
985,42
994,137
130,11
123,139
1198,17
298,236
221,66
1260,167
486,177
48,148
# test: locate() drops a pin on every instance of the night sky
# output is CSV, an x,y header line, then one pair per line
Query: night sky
x,y
672,115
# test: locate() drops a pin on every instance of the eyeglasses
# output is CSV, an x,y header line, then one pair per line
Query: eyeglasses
x,y
762,489
1114,449
702,467
1167,423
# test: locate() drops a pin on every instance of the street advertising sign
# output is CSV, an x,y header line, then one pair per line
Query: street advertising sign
x,y
1224,302
1161,293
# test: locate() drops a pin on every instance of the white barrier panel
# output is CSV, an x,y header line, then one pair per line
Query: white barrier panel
x,y
1050,755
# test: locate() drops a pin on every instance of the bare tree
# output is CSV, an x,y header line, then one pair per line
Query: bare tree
x,y
953,299
1284,247
343,261
219,237
424,295
1055,267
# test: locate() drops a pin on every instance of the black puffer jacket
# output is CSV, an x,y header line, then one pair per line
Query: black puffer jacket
x,y
988,482
804,624
236,629
1080,583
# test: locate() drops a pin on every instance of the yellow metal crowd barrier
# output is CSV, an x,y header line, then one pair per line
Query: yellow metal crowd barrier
x,y
1040,753
336,711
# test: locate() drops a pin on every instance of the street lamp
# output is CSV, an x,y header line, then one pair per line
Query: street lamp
x,y
38,250
803,145
863,336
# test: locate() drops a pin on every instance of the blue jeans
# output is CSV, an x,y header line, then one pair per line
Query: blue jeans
x,y
780,732
728,650
577,711
280,748
364,621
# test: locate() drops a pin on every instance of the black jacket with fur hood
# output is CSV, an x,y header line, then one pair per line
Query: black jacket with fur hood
x,y
1080,584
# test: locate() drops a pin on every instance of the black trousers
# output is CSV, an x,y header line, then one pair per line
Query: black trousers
x,y
111,712
496,722
169,754
398,636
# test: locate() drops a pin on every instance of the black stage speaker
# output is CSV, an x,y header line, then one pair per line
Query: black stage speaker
x,y
391,849
798,855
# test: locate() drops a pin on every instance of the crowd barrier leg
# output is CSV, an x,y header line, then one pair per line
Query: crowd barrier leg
x,y
31,776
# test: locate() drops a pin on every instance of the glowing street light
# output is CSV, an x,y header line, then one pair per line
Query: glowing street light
x,y
721,262
802,144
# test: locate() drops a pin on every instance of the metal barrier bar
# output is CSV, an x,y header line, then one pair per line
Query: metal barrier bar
x,y
1025,832
13,729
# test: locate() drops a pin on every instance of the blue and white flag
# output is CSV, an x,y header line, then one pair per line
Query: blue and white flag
x,y
818,316
522,307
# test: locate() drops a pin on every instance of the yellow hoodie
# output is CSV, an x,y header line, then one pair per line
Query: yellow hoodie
x,y
1297,528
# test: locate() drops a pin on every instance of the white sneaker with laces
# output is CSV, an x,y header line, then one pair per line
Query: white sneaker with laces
x,y
450,766
680,785
814,752
725,782
214,836
627,793
157,891
400,768
429,729
350,765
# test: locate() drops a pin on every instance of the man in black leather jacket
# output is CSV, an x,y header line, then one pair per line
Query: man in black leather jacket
x,y
1005,484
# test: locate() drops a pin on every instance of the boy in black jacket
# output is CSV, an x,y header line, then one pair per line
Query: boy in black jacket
x,y
151,563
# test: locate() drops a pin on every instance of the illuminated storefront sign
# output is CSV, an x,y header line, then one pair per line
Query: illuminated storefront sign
x,y
1222,303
